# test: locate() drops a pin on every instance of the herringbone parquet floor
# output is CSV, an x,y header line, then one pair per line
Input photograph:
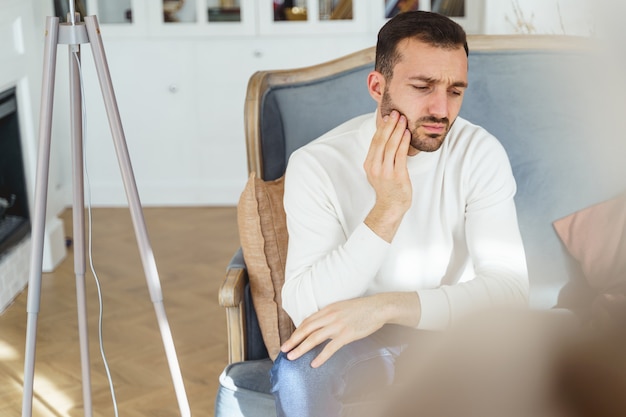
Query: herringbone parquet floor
x,y
192,247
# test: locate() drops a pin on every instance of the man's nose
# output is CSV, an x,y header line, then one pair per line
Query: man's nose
x,y
438,105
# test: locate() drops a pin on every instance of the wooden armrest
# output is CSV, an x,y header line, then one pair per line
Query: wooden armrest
x,y
231,297
231,291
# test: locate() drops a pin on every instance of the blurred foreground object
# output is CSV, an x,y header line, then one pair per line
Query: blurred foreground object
x,y
516,364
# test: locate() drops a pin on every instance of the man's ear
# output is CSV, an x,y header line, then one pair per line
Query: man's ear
x,y
376,85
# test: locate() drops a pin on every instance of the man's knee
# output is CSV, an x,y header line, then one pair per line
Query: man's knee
x,y
298,372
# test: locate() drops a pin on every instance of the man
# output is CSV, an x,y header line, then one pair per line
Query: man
x,y
399,220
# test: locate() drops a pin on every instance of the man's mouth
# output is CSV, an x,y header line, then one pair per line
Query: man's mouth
x,y
434,128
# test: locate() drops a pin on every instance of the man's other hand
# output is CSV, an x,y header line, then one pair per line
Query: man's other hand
x,y
349,320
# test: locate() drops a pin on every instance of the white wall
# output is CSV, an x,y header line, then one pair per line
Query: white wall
x,y
181,101
553,17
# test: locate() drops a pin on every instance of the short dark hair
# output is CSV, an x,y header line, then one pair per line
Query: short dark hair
x,y
431,28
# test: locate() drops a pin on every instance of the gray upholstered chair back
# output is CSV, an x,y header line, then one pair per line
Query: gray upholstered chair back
x,y
294,115
289,108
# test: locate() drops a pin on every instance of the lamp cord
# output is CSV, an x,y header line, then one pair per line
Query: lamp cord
x,y
90,239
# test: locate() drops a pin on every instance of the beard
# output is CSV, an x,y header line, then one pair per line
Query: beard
x,y
426,142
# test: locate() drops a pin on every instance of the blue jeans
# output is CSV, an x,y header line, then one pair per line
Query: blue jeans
x,y
355,375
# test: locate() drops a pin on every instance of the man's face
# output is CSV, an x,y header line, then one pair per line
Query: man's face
x,y
427,86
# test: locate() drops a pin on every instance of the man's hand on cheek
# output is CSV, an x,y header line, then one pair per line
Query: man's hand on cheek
x,y
387,173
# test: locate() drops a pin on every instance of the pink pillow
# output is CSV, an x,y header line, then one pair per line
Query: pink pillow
x,y
596,238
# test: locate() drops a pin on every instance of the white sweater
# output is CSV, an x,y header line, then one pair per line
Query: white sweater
x,y
458,245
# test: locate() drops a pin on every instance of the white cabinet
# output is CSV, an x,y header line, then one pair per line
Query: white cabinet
x,y
180,70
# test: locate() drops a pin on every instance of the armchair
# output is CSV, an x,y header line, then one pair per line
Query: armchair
x,y
516,90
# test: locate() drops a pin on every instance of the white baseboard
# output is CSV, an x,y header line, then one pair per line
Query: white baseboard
x,y
54,250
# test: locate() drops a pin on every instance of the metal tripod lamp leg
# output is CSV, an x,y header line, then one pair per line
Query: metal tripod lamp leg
x,y
73,34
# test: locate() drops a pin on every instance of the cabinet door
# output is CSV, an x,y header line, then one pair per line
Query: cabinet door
x,y
307,17
202,17
120,17
115,11
467,13
156,95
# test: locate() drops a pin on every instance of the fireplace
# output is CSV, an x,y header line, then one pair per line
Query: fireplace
x,y
15,240
14,213
21,49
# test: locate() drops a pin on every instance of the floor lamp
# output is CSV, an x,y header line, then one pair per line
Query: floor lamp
x,y
74,33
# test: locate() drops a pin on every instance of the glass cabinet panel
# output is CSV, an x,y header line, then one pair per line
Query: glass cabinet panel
x,y
115,11
393,7
296,10
452,8
224,11
62,9
335,9
290,10
179,11
280,17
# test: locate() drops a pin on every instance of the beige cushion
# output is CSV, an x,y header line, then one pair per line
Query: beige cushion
x,y
596,238
263,236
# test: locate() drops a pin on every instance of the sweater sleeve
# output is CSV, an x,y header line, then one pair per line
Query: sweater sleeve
x,y
493,240
325,262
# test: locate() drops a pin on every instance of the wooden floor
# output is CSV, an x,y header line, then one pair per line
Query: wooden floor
x,y
192,247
